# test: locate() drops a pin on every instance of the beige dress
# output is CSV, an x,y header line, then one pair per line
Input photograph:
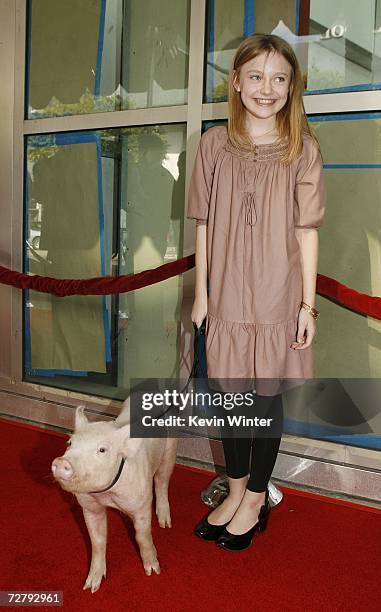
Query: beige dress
x,y
252,204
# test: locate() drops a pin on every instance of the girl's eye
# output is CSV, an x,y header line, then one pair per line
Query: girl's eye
x,y
257,76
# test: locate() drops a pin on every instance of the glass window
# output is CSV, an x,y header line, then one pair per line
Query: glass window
x,y
97,55
101,203
338,44
352,160
342,404
342,49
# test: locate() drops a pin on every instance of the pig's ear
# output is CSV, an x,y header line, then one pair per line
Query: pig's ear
x,y
129,446
80,418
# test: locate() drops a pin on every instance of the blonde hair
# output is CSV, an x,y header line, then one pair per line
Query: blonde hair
x,y
291,120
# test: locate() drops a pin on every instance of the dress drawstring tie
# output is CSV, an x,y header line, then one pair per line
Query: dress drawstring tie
x,y
250,212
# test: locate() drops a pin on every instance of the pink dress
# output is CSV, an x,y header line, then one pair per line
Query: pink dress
x,y
252,204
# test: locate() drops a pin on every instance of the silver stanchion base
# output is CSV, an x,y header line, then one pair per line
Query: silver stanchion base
x,y
218,489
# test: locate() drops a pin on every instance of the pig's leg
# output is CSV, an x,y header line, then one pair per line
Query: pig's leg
x,y
96,523
148,553
161,479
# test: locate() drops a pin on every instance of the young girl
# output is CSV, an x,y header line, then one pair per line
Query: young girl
x,y
258,194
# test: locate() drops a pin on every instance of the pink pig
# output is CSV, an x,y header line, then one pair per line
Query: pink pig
x,y
104,466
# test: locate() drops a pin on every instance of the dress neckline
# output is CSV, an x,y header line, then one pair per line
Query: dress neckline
x,y
262,152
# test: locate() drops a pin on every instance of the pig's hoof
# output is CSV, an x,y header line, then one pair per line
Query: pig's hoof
x,y
94,579
153,566
164,517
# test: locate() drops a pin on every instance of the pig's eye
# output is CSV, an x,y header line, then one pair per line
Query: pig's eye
x,y
102,449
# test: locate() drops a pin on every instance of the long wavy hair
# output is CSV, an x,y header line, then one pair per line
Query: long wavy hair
x,y
291,120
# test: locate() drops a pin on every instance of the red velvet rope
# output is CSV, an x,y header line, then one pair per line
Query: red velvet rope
x,y
100,285
105,285
349,298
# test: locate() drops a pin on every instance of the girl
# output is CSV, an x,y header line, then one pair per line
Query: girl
x,y
258,194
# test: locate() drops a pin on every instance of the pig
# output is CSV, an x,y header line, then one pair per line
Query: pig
x,y
103,466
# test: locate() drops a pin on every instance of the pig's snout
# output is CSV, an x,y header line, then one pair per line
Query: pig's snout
x,y
62,468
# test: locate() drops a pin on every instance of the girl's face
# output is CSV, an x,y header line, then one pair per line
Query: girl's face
x,y
264,84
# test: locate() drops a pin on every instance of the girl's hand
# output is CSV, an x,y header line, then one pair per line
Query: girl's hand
x,y
199,310
306,330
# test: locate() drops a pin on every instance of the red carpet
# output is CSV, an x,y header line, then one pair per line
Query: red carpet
x,y
316,555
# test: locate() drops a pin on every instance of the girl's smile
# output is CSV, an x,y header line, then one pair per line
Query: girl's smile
x,y
264,102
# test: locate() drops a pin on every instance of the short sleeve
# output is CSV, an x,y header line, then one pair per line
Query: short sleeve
x,y
201,180
310,188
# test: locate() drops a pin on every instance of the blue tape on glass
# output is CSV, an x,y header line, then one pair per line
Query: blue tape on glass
x,y
101,33
333,434
249,19
345,116
364,87
297,17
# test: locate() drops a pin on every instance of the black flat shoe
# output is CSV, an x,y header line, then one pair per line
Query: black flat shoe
x,y
232,541
209,532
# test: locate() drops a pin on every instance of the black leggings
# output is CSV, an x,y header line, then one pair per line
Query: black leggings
x,y
264,448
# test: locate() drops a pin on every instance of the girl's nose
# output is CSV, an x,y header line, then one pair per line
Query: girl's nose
x,y
266,88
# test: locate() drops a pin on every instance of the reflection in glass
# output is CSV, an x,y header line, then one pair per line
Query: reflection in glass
x,y
102,203
338,44
345,48
348,345
97,56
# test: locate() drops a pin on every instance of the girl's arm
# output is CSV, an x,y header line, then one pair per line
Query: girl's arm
x,y
198,208
309,212
200,304
308,239
309,247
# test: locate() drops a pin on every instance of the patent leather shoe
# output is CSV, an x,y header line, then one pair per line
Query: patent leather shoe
x,y
209,532
232,541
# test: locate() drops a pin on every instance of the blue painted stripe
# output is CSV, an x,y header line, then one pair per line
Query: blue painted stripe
x,y
344,116
249,18
297,16
365,87
351,166
101,33
47,372
60,139
67,138
333,434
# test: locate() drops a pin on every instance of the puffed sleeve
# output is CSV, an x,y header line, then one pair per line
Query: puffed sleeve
x,y
310,188
201,180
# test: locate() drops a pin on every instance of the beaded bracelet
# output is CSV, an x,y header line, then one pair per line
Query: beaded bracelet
x,y
315,313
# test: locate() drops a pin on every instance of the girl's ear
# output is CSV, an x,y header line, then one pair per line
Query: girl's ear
x,y
236,82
